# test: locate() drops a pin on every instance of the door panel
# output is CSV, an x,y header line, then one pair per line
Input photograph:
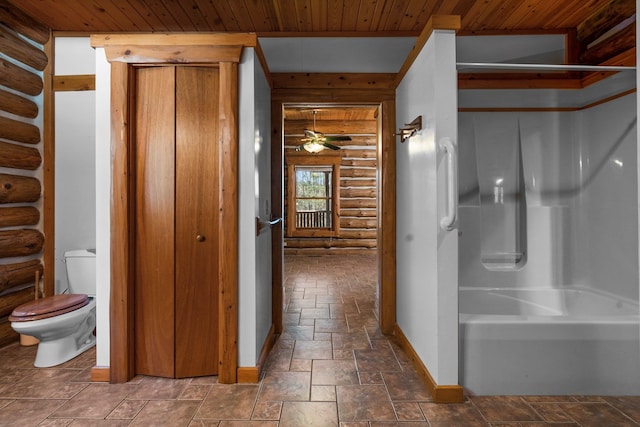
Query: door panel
x,y
154,221
196,221
176,289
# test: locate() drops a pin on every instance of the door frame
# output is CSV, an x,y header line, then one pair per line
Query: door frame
x,y
125,52
352,89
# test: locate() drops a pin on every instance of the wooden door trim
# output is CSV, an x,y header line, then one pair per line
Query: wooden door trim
x,y
228,226
49,171
386,164
123,201
277,211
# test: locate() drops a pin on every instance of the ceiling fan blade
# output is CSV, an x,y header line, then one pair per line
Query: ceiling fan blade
x,y
310,134
338,138
333,147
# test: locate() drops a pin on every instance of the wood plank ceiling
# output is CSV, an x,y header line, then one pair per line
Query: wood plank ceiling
x,y
386,17
586,22
598,31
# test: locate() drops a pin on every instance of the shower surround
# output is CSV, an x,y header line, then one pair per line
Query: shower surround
x,y
548,217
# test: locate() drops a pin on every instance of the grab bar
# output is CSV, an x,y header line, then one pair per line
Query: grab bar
x,y
447,222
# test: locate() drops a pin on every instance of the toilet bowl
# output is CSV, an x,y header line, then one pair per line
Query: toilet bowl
x,y
65,323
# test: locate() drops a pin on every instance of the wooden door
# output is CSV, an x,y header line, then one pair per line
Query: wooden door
x,y
154,291
176,304
196,221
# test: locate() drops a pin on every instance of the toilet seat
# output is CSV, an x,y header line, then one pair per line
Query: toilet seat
x,y
48,307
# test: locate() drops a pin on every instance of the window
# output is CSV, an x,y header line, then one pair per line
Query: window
x,y
312,195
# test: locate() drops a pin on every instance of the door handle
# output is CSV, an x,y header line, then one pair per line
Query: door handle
x,y
200,238
260,225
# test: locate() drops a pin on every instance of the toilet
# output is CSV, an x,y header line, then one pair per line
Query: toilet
x,y
63,323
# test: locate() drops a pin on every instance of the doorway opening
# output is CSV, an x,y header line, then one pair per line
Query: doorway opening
x,y
330,194
361,159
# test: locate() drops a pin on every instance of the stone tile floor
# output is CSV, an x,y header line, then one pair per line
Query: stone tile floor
x,y
330,367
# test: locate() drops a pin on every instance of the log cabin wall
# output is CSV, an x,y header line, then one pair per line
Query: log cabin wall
x,y
358,186
22,65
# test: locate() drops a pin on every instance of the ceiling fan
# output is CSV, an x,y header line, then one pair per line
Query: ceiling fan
x,y
315,141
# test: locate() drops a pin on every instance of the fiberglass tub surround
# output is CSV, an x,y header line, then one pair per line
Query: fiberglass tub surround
x,y
548,250
548,341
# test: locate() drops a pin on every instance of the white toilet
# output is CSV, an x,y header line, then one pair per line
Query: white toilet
x,y
63,323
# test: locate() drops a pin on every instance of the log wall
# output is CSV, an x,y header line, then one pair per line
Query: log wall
x,y
22,61
358,186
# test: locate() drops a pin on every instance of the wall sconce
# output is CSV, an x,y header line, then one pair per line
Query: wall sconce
x,y
409,129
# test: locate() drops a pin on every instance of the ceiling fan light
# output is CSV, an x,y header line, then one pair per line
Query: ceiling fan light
x,y
313,147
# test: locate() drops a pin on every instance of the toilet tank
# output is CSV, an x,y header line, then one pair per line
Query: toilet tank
x,y
81,271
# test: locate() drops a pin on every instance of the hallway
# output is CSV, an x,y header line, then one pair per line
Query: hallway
x,y
330,367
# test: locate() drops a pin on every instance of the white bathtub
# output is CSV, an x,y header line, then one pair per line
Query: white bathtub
x,y
548,341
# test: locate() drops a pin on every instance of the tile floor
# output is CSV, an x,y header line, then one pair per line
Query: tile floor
x,y
331,367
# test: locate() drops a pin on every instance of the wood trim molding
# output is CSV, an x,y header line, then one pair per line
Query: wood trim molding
x,y
121,308
175,39
324,34
248,374
439,393
100,374
277,211
48,172
158,54
514,32
334,80
174,48
228,226
386,233
436,22
74,83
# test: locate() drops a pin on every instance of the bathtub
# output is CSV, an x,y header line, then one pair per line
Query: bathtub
x,y
569,340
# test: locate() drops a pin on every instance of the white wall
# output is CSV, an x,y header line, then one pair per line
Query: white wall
x,y
103,206
336,55
75,156
426,256
263,204
541,49
254,319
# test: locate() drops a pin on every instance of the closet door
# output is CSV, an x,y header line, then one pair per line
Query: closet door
x,y
154,290
176,304
196,221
